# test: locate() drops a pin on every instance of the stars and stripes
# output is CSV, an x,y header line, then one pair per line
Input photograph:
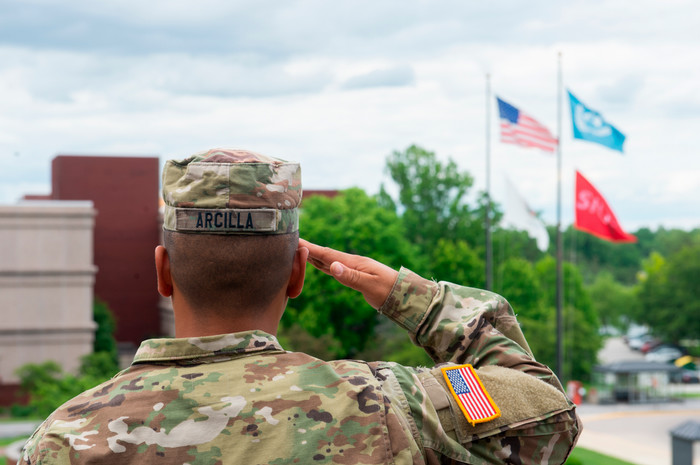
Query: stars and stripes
x,y
470,394
517,127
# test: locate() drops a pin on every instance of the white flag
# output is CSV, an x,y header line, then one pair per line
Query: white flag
x,y
517,214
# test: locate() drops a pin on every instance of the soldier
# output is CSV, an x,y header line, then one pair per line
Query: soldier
x,y
225,391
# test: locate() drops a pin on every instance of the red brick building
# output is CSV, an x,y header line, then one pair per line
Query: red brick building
x,y
124,191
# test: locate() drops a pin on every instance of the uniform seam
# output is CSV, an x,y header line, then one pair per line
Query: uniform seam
x,y
432,303
391,292
382,417
406,407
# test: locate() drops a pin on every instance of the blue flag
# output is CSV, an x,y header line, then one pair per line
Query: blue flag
x,y
589,125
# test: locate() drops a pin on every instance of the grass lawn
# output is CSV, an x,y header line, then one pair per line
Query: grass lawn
x,y
581,456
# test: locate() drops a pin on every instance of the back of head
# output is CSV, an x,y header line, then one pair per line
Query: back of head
x,y
231,227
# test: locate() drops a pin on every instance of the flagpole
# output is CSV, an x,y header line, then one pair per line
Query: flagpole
x,y
560,286
489,247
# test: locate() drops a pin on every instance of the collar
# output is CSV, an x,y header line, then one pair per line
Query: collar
x,y
172,349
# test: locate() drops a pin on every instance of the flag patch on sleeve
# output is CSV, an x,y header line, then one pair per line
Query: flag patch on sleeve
x,y
470,394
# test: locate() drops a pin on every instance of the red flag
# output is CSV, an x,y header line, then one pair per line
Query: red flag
x,y
594,216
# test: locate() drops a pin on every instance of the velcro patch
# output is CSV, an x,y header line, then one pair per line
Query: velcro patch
x,y
226,220
470,394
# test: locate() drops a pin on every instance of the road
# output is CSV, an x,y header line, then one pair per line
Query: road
x,y
615,350
17,428
637,433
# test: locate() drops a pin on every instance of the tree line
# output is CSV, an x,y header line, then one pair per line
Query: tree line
x,y
431,226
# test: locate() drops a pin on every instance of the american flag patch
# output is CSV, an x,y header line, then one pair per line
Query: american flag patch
x,y
470,394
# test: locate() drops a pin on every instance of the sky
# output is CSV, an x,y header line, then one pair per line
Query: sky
x,y
339,85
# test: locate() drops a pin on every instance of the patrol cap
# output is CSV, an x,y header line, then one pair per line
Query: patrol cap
x,y
231,191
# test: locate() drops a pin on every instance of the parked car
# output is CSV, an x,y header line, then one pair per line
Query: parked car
x,y
650,345
666,345
636,343
685,376
664,354
635,331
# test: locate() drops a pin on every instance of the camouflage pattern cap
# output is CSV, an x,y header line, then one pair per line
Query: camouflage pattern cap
x,y
231,191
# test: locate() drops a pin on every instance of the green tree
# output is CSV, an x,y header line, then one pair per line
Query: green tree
x,y
104,341
432,198
355,223
669,294
509,243
457,262
669,241
519,283
593,255
581,339
615,303
32,375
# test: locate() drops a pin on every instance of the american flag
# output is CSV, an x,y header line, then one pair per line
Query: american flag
x,y
470,394
517,127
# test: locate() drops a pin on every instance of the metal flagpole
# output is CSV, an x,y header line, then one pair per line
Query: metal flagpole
x,y
489,248
560,286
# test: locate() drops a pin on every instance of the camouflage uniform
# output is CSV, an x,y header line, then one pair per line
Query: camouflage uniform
x,y
242,399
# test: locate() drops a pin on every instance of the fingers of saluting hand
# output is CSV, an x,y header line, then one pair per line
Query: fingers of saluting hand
x,y
323,257
373,279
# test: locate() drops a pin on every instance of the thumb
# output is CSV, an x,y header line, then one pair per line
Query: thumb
x,y
346,276
373,289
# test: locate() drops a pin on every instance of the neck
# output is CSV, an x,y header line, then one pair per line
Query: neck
x,y
192,322
211,328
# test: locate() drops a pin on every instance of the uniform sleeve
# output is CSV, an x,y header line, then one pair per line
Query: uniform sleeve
x,y
461,325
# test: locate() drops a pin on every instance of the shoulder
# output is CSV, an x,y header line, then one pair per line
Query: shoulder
x,y
75,423
525,410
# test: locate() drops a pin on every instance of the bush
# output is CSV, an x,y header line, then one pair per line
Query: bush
x,y
49,386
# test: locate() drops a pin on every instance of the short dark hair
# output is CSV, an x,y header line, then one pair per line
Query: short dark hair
x,y
221,273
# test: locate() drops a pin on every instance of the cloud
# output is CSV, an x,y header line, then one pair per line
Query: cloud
x,y
268,29
131,28
622,91
119,79
397,76
170,77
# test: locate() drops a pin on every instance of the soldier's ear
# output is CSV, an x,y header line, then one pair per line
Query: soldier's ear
x,y
296,280
165,280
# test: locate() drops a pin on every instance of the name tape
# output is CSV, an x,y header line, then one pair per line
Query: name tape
x,y
226,220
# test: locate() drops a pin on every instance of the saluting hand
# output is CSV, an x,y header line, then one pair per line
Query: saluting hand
x,y
373,279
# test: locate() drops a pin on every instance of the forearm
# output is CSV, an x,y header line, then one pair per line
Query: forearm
x,y
461,325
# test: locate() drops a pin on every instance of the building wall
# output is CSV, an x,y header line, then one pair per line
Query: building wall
x,y
124,191
46,281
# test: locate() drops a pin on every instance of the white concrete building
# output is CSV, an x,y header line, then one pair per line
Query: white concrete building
x,y
46,284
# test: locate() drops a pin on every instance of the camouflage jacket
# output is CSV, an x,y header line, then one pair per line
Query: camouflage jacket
x,y
242,399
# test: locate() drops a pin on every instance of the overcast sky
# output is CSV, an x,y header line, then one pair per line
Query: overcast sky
x,y
339,85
